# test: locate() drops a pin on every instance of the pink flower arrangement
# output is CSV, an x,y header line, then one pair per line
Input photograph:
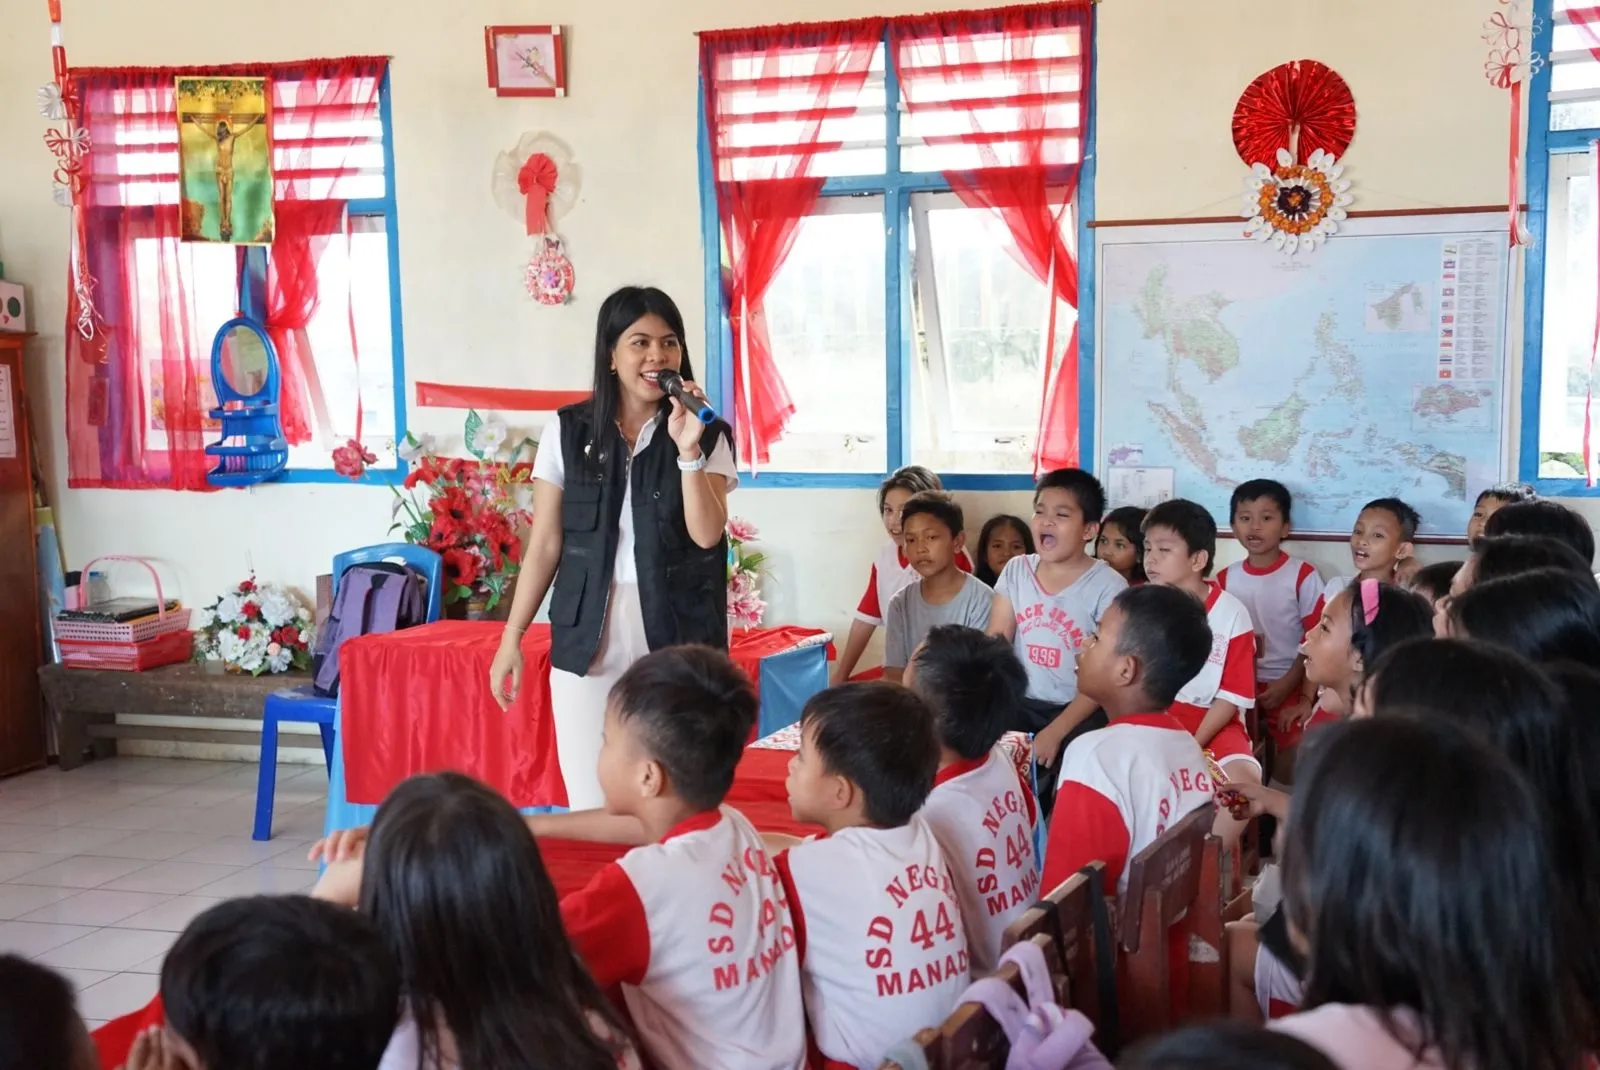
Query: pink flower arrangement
x,y
745,568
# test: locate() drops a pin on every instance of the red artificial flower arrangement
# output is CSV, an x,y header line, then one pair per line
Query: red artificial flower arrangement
x,y
469,515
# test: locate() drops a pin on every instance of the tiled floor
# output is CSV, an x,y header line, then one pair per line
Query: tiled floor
x,y
102,867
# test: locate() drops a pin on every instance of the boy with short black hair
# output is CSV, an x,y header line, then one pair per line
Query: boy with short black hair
x,y
39,1024
1180,541
1124,785
1381,545
932,531
1047,602
883,951
1490,499
693,921
1281,592
981,810
271,982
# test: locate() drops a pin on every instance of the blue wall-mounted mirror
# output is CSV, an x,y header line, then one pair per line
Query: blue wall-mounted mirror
x,y
244,374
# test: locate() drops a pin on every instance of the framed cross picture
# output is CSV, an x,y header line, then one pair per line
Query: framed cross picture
x,y
526,61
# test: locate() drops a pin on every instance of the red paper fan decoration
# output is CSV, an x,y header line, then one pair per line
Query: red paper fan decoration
x,y
1302,96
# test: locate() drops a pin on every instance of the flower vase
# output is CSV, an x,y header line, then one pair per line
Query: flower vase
x,y
477,607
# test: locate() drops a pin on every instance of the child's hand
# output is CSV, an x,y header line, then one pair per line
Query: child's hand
x,y
1245,799
1277,693
342,846
1047,743
1296,716
340,883
152,1050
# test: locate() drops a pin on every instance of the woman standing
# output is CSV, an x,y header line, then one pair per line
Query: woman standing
x,y
630,503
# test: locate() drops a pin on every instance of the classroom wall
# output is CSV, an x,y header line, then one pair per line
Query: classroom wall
x,y
1431,132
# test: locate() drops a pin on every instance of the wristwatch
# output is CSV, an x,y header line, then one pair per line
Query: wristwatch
x,y
696,465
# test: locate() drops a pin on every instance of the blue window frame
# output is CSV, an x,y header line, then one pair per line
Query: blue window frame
x,y
1559,299
909,203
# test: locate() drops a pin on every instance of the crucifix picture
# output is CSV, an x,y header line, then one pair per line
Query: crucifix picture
x,y
225,160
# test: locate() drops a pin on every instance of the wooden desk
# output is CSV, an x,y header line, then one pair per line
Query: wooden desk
x,y
22,742
85,704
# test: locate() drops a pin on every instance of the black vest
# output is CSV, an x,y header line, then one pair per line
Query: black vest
x,y
683,588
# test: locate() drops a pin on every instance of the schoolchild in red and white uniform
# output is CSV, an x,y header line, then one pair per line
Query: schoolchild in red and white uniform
x,y
883,950
1125,785
981,810
693,923
1281,592
1180,540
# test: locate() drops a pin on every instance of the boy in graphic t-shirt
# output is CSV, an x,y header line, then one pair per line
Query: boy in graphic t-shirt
x,y
931,526
1047,603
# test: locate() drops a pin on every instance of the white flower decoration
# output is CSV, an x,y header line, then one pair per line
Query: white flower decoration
x,y
62,195
230,647
51,106
277,606
279,661
1296,206
415,447
230,609
490,437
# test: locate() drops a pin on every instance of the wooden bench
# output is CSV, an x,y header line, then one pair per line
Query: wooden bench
x,y
84,705
1159,911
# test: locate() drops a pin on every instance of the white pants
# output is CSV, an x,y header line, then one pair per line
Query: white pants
x,y
578,703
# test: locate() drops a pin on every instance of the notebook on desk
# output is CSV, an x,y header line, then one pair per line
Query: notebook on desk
x,y
118,610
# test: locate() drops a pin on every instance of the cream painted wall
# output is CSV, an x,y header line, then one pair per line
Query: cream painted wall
x,y
1431,133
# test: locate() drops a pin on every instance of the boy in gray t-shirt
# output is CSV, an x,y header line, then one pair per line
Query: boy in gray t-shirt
x,y
932,533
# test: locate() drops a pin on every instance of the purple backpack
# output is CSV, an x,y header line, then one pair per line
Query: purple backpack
x,y
372,599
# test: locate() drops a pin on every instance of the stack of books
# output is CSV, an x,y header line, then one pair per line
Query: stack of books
x,y
126,634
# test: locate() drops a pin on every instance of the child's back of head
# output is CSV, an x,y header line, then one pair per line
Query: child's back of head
x,y
1230,1045
1164,630
1433,581
39,1024
458,889
973,682
880,738
1496,556
692,710
1545,615
273,982
1544,517
1406,835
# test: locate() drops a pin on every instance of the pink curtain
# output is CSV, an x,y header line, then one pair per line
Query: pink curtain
x,y
764,190
138,394
1003,96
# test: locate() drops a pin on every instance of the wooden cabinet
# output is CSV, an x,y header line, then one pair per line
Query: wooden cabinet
x,y
22,738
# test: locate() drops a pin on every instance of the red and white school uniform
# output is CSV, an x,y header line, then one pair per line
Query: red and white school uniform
x,y
883,952
1120,788
984,816
891,574
697,930
1229,674
1282,600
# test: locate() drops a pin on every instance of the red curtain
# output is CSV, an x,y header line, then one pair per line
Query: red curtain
x,y
138,394
810,77
1587,20
1000,98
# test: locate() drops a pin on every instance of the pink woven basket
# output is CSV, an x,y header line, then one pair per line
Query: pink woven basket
x,y
133,631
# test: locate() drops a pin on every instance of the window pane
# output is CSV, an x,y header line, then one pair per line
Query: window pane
x,y
825,314
206,275
1569,314
364,274
980,324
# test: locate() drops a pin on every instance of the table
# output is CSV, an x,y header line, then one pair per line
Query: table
x,y
418,700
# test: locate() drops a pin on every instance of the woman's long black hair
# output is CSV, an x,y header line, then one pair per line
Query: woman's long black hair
x,y
1545,615
1514,706
1419,866
454,881
618,312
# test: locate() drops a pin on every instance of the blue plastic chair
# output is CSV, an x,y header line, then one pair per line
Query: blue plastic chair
x,y
302,705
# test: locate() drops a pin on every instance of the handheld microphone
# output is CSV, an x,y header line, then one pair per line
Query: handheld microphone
x,y
672,383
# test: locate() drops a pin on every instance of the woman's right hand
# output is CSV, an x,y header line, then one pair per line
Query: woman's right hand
x,y
505,672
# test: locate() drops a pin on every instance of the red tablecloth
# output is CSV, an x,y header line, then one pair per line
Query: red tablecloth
x,y
418,701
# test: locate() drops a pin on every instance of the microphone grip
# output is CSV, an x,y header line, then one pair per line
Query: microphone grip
x,y
701,409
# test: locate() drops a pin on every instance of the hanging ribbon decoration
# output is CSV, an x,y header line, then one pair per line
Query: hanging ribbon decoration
x,y
69,144
537,180
1509,34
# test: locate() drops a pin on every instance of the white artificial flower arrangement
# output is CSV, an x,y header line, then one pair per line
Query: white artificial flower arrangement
x,y
256,628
